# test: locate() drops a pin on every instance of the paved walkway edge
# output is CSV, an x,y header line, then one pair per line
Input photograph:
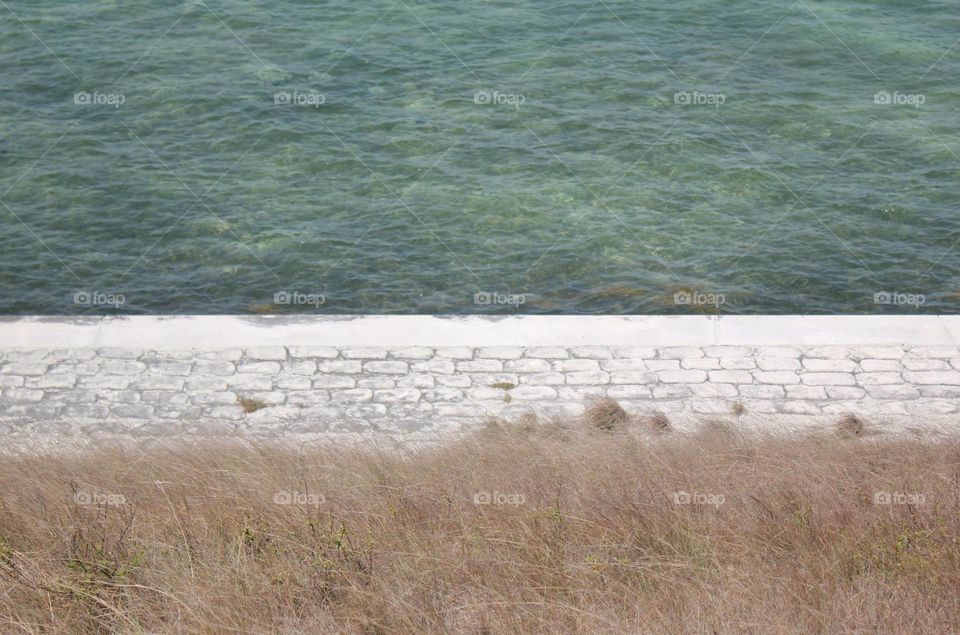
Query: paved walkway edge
x,y
406,374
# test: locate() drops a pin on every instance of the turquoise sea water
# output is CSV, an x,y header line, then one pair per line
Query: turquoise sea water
x,y
402,156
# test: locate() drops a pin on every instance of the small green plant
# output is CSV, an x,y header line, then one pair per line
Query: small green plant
x,y
506,386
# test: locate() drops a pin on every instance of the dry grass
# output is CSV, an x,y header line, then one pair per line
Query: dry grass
x,y
606,414
249,405
577,530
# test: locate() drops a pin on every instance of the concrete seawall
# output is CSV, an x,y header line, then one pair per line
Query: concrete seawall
x,y
412,373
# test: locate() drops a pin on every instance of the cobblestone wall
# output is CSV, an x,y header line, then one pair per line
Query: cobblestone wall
x,y
416,386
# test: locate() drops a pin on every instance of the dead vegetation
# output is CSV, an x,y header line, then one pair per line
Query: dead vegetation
x,y
560,527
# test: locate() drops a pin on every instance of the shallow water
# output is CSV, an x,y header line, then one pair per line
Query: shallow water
x,y
581,183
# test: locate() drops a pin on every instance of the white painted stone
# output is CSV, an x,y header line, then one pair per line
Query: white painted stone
x,y
543,379
364,353
829,365
314,352
296,382
206,383
547,352
700,363
454,381
612,365
527,366
845,392
381,382
592,352
828,379
880,365
944,378
782,377
300,367
23,394
579,393
259,368
386,368
635,352
533,393
575,365
945,352
500,352
334,381
944,392
416,381
709,406
926,364
813,393
731,377
117,367
633,377
214,398
737,363
351,395
900,392
879,352
434,366
714,391
340,367
629,392
680,352
827,352
588,377
671,391
266,353
728,351
455,352
782,352
411,353
224,355
683,376
250,382
778,363
875,379
480,366
756,391
214,367
663,364
52,381
406,395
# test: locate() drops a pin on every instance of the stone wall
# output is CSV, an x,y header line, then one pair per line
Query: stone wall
x,y
407,387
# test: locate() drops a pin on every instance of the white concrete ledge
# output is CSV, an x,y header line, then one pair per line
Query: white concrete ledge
x,y
209,332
